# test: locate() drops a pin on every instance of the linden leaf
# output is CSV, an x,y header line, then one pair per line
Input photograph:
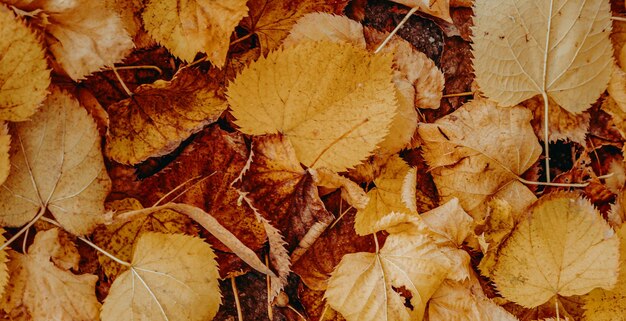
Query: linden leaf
x,y
394,192
608,305
188,27
159,116
40,290
5,147
564,247
333,102
24,71
379,286
559,48
320,26
436,8
474,169
83,36
56,164
171,277
118,239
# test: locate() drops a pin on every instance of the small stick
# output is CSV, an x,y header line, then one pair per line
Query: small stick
x,y
404,20
233,285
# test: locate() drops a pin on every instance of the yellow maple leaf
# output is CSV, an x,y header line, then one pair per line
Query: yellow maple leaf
x,y
564,247
46,291
436,8
394,192
171,277
472,169
159,116
188,27
57,165
333,102
559,49
24,71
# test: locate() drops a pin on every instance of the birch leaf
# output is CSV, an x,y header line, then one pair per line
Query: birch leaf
x,y
24,71
56,163
559,47
564,247
171,277
333,102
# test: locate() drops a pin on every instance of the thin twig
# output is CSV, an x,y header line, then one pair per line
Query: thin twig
x,y
402,22
137,67
233,285
467,93
128,92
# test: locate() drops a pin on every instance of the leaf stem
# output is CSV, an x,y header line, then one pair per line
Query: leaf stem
x,y
618,18
556,304
40,214
376,242
138,67
466,93
546,141
585,184
128,92
402,22
233,285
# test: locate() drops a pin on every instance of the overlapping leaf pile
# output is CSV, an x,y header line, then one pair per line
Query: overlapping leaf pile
x,y
310,157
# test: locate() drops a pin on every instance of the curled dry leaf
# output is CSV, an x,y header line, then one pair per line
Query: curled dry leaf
x,y
56,164
44,291
188,27
557,48
159,116
436,8
563,125
472,169
333,102
320,26
171,277
24,71
84,36
564,247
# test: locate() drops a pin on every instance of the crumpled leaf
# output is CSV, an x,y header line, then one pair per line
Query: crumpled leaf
x,y
271,20
56,163
375,286
563,125
84,36
40,290
188,27
608,305
394,192
171,277
159,116
564,247
334,102
24,71
473,169
560,48
320,26
119,239
436,8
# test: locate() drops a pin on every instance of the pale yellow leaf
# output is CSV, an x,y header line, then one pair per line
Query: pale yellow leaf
x,y
558,47
334,102
370,286
40,290
477,150
564,247
498,226
171,277
159,116
320,26
615,104
56,163
436,8
24,71
404,124
394,192
188,27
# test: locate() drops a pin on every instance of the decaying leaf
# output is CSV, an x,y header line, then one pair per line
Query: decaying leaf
x,y
56,164
473,169
560,48
320,26
41,290
84,36
159,116
564,247
24,72
188,27
394,192
333,102
436,8
171,277
563,125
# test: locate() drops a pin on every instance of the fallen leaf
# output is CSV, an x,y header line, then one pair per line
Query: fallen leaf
x,y
617,215
564,247
557,48
159,116
271,20
56,164
394,192
351,192
130,13
42,291
83,36
498,226
333,102
563,125
320,26
435,8
4,271
5,147
472,169
24,71
171,277
394,284
188,27
119,239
